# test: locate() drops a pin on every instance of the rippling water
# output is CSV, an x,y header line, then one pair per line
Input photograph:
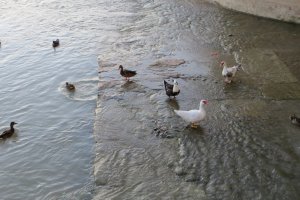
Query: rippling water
x,y
51,156
246,149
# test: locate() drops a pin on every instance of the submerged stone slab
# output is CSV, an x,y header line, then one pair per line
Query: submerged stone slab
x,y
281,91
264,66
168,62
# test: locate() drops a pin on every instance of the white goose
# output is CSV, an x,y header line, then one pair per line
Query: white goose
x,y
229,72
193,116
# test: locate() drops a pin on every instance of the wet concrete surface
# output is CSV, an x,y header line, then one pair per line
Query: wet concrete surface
x,y
246,148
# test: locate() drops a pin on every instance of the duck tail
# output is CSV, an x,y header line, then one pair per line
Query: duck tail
x,y
165,83
239,67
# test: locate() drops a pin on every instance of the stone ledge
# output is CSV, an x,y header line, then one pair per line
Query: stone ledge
x,y
288,11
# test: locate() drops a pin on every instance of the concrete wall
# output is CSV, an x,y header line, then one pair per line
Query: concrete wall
x,y
286,10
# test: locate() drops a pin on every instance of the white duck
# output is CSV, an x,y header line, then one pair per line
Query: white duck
x,y
193,116
229,72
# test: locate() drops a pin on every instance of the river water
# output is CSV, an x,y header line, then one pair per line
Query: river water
x,y
51,156
246,149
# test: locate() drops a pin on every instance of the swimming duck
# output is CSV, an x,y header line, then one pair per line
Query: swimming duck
x,y
126,73
229,72
171,90
9,132
70,86
294,119
55,43
193,116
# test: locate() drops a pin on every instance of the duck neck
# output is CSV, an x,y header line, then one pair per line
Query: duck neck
x,y
12,127
201,107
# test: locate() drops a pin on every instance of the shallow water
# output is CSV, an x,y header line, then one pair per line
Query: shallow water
x,y
246,149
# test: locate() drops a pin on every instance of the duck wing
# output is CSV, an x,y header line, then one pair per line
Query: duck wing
x,y
129,73
168,85
168,88
232,70
229,74
191,116
6,134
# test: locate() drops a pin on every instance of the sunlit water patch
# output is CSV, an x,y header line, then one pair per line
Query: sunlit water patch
x,y
85,90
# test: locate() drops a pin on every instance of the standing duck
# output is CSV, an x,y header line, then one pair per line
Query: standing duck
x,y
193,116
9,132
70,86
55,43
126,73
229,72
172,90
295,120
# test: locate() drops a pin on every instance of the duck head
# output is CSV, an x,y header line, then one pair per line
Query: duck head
x,y
222,64
175,82
203,102
12,124
67,83
121,67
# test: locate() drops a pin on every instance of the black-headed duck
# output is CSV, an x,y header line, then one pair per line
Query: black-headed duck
x,y
70,86
55,43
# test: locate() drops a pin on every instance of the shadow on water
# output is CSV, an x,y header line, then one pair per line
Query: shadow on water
x,y
172,102
129,85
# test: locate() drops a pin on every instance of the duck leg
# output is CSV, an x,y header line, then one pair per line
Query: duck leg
x,y
226,80
193,125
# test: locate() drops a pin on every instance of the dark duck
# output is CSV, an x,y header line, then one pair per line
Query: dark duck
x,y
126,73
9,132
171,90
55,43
295,120
70,86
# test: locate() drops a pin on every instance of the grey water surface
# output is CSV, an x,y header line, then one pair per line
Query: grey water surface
x,y
51,155
245,149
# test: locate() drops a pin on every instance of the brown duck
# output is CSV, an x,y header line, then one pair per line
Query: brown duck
x,y
126,73
70,86
9,132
